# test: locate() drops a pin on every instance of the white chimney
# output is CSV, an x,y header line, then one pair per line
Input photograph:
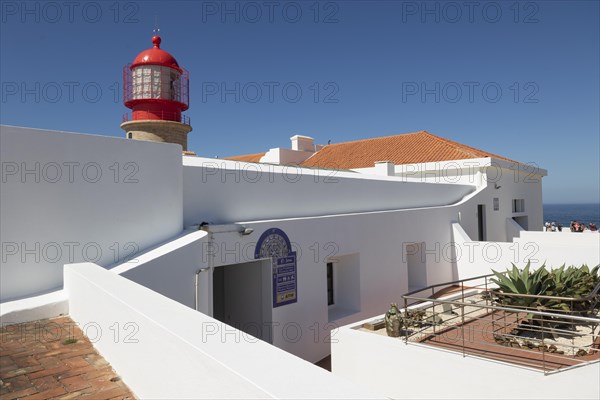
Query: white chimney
x,y
385,168
303,143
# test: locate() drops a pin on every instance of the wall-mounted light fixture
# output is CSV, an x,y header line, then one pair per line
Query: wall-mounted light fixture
x,y
246,231
225,228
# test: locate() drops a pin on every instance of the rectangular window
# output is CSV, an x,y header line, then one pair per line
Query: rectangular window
x,y
496,204
330,300
518,205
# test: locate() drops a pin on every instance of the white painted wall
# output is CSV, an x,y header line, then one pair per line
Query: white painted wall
x,y
34,308
170,268
285,156
416,371
303,143
466,172
89,198
507,182
222,191
171,351
499,179
513,229
476,258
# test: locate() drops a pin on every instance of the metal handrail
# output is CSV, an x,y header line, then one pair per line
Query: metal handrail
x,y
510,309
461,319
580,299
446,284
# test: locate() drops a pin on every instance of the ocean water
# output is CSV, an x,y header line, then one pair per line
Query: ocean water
x,y
565,213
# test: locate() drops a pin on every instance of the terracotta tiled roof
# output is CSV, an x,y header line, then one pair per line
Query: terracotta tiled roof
x,y
247,157
409,148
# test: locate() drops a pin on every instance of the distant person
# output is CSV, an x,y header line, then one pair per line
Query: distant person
x,y
553,226
547,226
559,227
572,226
593,227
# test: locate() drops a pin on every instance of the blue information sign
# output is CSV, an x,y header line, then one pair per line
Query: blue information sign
x,y
284,280
274,244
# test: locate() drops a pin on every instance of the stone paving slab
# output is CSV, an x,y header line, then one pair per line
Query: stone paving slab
x,y
52,358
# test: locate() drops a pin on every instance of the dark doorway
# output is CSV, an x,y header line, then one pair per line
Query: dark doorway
x,y
482,236
242,297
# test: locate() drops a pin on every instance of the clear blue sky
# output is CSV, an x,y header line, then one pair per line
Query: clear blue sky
x,y
380,68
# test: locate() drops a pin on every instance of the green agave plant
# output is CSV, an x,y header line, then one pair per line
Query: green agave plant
x,y
576,283
516,281
573,282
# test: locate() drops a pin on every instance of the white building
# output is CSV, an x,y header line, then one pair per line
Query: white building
x,y
284,253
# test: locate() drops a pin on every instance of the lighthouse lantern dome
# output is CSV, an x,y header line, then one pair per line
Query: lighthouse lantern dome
x,y
156,56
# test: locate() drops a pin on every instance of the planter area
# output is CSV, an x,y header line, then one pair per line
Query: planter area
x,y
486,321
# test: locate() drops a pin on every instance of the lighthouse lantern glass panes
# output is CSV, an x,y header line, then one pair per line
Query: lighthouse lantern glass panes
x,y
164,84
137,83
155,82
146,82
174,82
156,89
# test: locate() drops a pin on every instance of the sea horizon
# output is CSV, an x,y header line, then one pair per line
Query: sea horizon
x,y
564,213
571,204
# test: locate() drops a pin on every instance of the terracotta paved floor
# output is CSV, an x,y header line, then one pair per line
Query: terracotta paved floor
x,y
479,341
39,361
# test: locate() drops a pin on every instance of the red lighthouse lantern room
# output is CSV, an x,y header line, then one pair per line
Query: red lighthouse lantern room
x,y
156,89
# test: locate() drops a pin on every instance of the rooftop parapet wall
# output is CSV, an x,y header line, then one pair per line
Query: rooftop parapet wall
x,y
171,351
169,268
68,197
472,171
475,258
221,191
456,377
